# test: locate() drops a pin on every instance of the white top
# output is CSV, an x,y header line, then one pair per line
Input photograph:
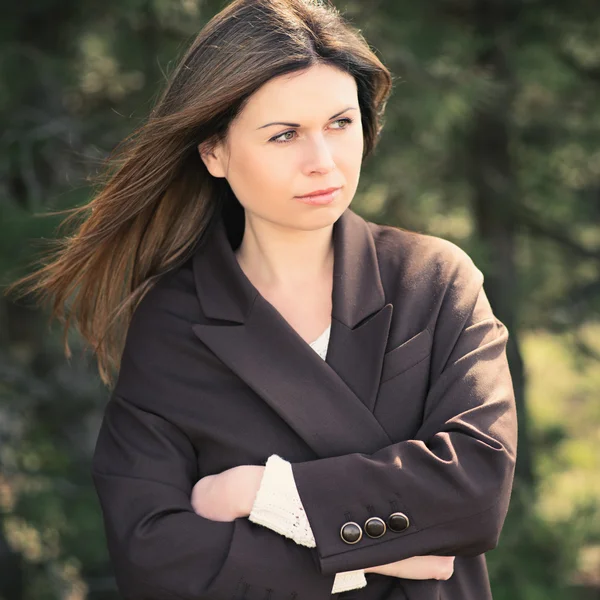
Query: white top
x,y
278,505
321,343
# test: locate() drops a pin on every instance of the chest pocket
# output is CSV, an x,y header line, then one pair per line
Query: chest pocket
x,y
406,355
403,386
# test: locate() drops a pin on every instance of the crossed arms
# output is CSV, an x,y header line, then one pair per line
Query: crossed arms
x,y
453,480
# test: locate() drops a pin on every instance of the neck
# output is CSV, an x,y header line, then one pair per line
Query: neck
x,y
276,257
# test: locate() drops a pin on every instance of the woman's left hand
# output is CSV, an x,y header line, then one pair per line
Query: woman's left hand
x,y
227,495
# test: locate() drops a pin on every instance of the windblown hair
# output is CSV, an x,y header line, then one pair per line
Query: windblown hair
x,y
156,198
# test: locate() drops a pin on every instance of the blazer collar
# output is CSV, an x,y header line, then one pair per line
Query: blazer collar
x,y
328,403
227,294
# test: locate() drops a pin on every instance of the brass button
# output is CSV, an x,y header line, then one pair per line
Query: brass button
x,y
375,527
351,532
398,521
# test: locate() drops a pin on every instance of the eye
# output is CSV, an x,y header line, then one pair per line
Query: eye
x,y
277,139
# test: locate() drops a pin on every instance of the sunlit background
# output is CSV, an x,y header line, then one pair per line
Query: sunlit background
x,y
491,140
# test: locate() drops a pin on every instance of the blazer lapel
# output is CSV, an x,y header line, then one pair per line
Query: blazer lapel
x,y
328,403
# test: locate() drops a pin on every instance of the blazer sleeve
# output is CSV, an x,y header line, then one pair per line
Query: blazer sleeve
x,y
143,471
278,506
145,465
453,480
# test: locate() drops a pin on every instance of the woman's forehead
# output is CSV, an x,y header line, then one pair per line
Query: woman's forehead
x,y
314,95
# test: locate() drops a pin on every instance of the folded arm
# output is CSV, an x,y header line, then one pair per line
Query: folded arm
x,y
451,482
144,469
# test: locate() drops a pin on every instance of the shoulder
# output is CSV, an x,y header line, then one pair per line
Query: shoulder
x,y
172,298
422,261
433,283
159,340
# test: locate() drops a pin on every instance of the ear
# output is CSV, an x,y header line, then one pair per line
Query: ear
x,y
212,156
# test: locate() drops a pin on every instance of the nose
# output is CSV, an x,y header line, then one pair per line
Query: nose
x,y
320,155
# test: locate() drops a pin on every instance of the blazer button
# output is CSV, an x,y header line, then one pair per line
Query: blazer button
x,y
351,532
375,527
398,521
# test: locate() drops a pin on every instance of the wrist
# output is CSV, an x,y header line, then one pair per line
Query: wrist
x,y
253,475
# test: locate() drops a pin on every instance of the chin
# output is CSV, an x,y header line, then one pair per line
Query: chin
x,y
323,216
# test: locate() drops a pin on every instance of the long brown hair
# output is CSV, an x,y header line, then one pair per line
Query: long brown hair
x,y
156,197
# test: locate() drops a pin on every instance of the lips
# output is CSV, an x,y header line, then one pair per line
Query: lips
x,y
320,199
320,192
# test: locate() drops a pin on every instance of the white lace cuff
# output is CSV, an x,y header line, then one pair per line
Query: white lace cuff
x,y
349,580
278,506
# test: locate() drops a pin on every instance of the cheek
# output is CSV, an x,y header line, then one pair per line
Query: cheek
x,y
349,150
259,178
350,158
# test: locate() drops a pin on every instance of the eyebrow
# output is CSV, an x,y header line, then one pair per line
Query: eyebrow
x,y
298,124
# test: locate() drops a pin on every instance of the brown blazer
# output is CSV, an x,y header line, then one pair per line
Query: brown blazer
x,y
413,411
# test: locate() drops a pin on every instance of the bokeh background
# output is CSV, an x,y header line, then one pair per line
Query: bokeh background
x,y
491,140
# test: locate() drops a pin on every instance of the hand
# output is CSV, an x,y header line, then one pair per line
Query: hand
x,y
418,567
227,495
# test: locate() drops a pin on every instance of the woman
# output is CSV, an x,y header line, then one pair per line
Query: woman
x,y
307,403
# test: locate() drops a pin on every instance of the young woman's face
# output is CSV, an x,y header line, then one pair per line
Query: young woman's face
x,y
318,146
